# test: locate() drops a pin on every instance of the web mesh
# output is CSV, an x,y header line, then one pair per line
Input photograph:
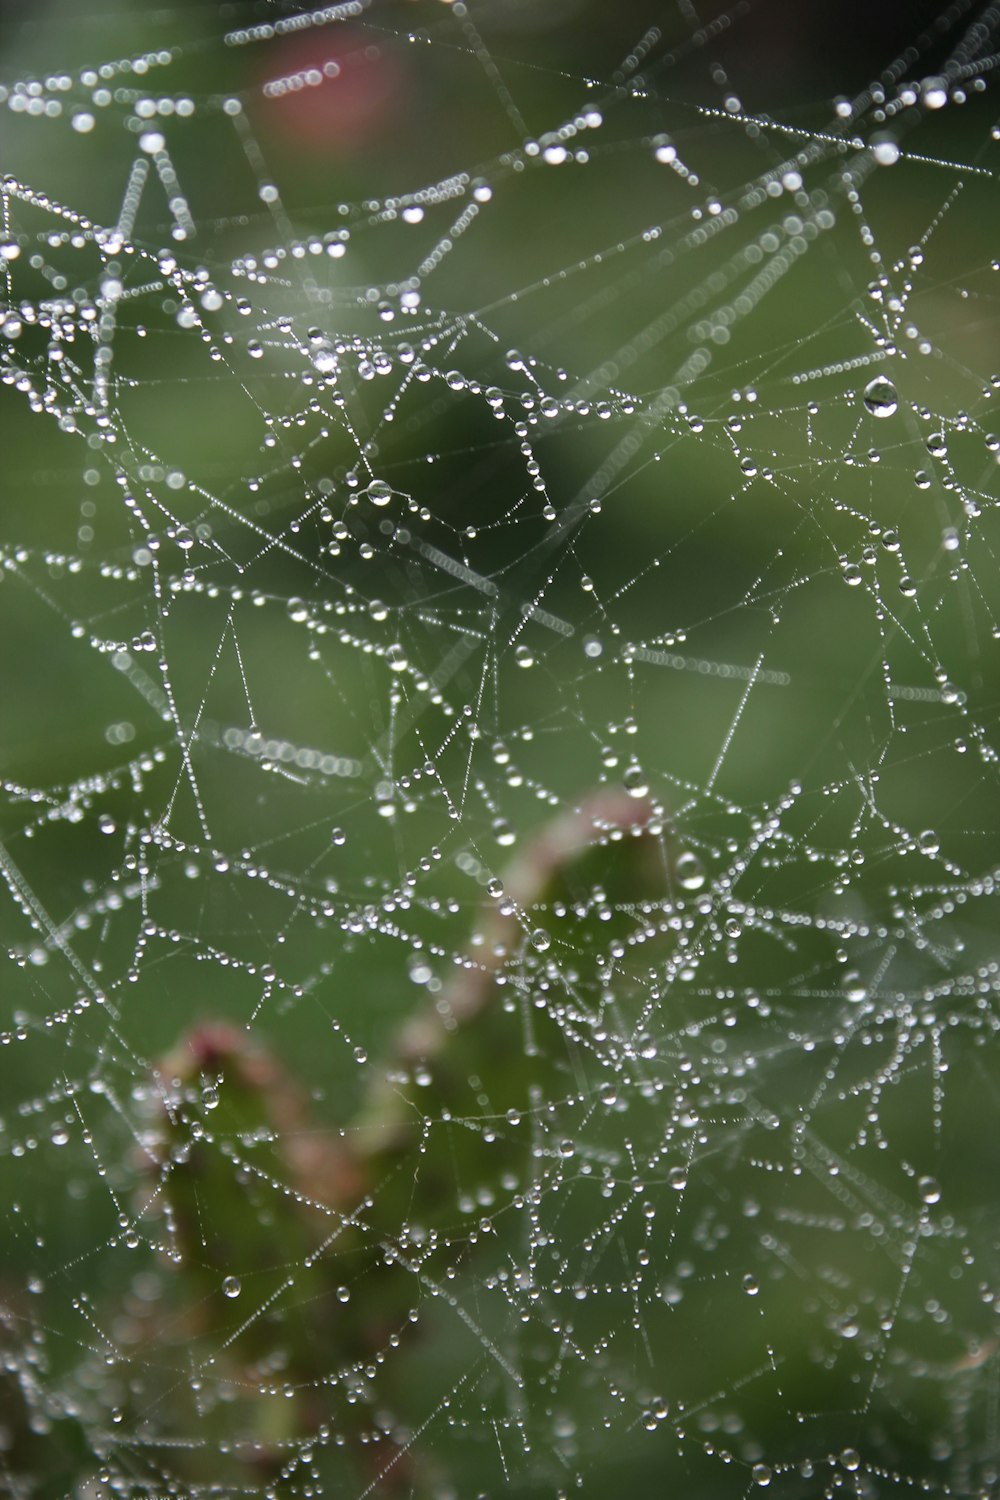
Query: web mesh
x,y
500,795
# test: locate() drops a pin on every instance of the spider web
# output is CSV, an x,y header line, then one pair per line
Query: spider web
x,y
500,794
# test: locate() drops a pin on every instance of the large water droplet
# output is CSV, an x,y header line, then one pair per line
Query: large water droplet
x,y
379,493
880,397
635,781
690,871
934,93
930,1190
885,150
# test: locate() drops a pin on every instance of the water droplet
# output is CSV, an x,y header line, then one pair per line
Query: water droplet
x,y
934,93
419,969
540,940
761,1475
231,1286
634,781
855,988
690,871
677,1178
751,1285
885,150
880,397
379,493
930,1191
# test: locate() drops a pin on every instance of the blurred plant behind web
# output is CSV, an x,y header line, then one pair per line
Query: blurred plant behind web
x,y
422,1096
